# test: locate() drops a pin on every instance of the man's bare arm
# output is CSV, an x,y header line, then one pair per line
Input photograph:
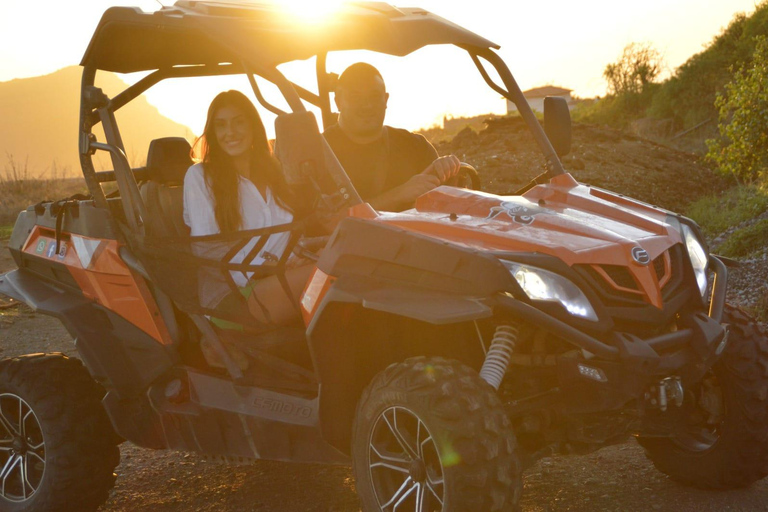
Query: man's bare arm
x,y
403,196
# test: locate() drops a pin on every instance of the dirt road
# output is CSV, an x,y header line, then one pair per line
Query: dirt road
x,y
618,478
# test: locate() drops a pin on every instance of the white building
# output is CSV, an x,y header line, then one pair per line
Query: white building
x,y
536,97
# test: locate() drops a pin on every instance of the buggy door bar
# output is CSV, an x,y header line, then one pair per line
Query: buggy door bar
x,y
515,95
133,206
257,92
93,100
293,98
86,138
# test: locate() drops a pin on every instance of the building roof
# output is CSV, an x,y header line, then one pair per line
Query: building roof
x,y
543,92
191,32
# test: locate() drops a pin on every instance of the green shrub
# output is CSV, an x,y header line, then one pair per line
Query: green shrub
x,y
637,68
717,213
746,241
760,309
631,84
742,148
688,96
616,110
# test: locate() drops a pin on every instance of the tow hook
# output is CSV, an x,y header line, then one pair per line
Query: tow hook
x,y
668,390
724,341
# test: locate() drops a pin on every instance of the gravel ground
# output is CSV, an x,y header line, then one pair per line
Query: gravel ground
x,y
748,284
617,478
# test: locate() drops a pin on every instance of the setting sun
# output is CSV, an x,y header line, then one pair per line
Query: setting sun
x,y
311,10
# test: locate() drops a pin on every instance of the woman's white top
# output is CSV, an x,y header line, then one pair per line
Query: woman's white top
x,y
256,211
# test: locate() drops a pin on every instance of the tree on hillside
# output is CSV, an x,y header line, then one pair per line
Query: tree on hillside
x,y
639,65
742,148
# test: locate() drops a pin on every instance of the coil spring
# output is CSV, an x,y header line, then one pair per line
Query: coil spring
x,y
499,354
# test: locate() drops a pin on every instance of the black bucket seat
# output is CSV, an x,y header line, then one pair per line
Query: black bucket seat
x,y
163,193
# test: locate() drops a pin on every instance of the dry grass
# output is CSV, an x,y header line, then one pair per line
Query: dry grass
x,y
20,187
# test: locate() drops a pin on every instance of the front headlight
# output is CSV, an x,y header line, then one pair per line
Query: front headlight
x,y
698,258
540,284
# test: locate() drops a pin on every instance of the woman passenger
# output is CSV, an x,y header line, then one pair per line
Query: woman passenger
x,y
238,185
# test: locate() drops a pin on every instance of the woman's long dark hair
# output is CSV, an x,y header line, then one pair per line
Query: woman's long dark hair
x,y
222,176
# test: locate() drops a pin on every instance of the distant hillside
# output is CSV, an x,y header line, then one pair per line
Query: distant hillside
x,y
39,115
689,95
681,110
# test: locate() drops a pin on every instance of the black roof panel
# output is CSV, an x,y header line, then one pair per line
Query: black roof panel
x,y
205,32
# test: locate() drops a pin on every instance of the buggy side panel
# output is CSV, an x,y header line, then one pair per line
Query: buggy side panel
x,y
347,358
74,245
120,356
95,267
189,410
367,248
398,295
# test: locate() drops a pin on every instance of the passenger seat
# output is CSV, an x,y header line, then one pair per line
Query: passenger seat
x,y
163,194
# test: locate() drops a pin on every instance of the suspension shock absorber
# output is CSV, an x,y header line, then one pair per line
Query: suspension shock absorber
x,y
499,354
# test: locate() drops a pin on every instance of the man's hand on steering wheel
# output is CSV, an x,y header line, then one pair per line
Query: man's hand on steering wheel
x,y
444,167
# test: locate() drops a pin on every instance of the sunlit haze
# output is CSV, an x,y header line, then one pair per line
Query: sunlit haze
x,y
311,10
559,42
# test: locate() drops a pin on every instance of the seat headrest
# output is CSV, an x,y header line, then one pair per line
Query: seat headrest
x,y
168,160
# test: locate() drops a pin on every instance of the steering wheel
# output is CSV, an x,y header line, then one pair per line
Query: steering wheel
x,y
467,177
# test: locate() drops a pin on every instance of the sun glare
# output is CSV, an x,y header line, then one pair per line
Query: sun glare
x,y
311,10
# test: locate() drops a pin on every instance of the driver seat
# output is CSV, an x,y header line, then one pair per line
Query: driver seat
x,y
163,194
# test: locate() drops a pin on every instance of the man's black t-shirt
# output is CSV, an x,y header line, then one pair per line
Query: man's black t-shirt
x,y
383,164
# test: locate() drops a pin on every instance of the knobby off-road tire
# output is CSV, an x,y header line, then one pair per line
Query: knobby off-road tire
x,y
429,435
54,428
735,453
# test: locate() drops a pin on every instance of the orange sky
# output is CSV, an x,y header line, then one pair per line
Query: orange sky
x,y
559,42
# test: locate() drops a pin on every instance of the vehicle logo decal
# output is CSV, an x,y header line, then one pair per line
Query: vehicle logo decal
x,y
520,214
51,249
40,247
62,250
640,255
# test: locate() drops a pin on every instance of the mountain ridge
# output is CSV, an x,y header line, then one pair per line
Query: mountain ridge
x,y
39,116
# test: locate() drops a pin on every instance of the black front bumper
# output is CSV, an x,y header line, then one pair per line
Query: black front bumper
x,y
607,377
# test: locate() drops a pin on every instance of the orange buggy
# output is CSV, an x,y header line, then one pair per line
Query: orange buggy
x,y
442,349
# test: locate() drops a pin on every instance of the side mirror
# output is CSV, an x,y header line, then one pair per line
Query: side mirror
x,y
557,124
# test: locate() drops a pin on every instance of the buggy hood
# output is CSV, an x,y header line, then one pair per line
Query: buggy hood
x,y
578,224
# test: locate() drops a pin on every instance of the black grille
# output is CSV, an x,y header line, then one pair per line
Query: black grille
x,y
676,267
609,295
620,275
659,267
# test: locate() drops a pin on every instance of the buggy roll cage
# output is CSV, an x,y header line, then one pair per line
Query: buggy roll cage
x,y
98,108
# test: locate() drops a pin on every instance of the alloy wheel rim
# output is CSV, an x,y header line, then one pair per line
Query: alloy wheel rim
x,y
404,464
22,449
